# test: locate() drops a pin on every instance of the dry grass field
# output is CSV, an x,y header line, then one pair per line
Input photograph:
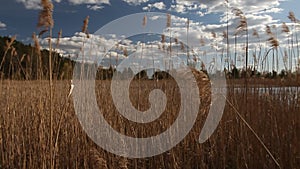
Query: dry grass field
x,y
39,129
25,128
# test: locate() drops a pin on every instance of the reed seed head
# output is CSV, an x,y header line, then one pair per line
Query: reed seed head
x,y
168,20
243,24
225,36
36,44
163,38
176,40
188,24
237,12
85,26
255,33
268,30
144,21
9,43
125,52
13,52
214,35
202,41
182,46
285,28
292,17
274,42
59,37
45,16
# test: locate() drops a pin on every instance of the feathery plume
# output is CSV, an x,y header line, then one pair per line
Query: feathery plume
x,y
36,44
243,24
58,38
195,58
176,40
125,52
202,41
255,33
182,46
8,44
274,42
144,21
13,51
225,36
292,17
97,160
45,16
85,26
243,20
268,30
237,12
214,35
123,163
168,20
285,28
188,24
163,38
203,66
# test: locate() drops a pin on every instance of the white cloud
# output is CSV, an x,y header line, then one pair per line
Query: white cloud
x,y
92,4
77,2
135,2
186,6
180,8
155,17
2,25
35,4
94,47
258,14
30,4
271,10
95,7
219,6
157,5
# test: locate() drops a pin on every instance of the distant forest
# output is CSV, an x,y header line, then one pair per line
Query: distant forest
x,y
23,62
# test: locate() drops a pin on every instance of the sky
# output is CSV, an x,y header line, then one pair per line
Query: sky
x,y
19,17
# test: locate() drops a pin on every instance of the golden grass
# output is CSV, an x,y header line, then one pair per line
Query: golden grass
x,y
85,26
45,16
24,126
39,128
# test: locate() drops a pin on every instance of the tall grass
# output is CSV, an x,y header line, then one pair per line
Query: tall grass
x,y
39,128
46,22
25,114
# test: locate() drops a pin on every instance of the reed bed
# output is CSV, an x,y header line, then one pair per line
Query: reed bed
x,y
259,127
273,113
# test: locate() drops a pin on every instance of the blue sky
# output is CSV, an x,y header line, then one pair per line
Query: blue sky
x,y
19,17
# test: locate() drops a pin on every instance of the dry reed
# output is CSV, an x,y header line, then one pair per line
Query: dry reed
x,y
85,26
45,21
144,21
25,119
7,47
